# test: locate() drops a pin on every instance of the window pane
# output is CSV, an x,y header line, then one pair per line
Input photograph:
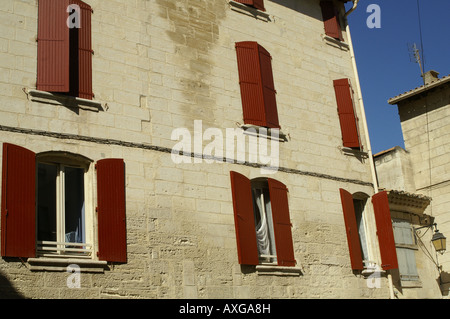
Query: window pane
x,y
46,201
74,205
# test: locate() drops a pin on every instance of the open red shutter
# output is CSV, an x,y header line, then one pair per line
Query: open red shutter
x,y
269,93
347,118
258,4
18,211
84,51
282,223
384,231
112,237
256,84
53,46
244,220
331,20
354,244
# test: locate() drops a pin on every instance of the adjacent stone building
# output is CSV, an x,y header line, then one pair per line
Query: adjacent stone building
x,y
186,149
423,167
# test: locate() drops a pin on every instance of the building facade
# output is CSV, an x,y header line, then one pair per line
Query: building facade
x,y
186,149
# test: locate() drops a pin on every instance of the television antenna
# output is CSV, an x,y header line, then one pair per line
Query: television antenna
x,y
414,55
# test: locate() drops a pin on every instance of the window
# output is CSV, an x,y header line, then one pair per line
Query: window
x,y
258,93
45,207
353,207
61,215
406,247
64,57
262,221
346,112
331,22
257,4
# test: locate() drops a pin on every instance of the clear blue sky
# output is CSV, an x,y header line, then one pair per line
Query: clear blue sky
x,y
383,59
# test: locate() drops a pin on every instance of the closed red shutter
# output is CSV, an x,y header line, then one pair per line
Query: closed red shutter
x,y
112,237
282,223
53,46
18,211
84,51
258,4
244,219
347,118
384,231
331,20
256,84
354,243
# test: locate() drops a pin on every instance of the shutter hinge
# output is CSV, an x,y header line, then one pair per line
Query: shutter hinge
x,y
96,209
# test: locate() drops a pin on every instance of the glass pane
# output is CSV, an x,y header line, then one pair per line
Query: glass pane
x,y
74,205
46,201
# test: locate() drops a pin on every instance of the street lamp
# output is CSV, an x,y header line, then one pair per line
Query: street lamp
x,y
439,241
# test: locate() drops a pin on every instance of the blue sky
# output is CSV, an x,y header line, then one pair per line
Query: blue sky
x,y
383,59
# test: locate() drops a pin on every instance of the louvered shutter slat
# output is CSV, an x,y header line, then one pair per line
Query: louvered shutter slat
x,y
18,212
53,46
354,243
244,220
282,223
112,241
385,231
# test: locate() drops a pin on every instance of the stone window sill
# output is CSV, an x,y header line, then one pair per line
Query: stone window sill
x,y
61,264
254,130
64,100
335,42
278,270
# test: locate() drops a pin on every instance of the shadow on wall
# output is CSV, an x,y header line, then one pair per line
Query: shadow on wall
x,y
7,291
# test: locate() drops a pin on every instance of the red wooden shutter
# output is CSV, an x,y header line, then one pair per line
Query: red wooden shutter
x,y
53,46
331,20
347,118
256,84
244,220
258,4
112,237
18,211
282,223
268,86
84,51
354,244
384,231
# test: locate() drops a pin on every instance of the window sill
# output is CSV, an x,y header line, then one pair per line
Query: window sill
x,y
335,42
63,100
250,11
278,270
354,152
61,264
254,130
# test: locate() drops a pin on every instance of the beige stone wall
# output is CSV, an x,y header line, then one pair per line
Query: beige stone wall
x,y
426,128
159,65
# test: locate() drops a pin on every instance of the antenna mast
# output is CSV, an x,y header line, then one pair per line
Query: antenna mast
x,y
414,55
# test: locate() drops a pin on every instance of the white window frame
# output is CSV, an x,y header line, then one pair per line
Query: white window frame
x,y
61,248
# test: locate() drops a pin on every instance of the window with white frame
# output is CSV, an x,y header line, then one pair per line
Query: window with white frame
x,y
61,207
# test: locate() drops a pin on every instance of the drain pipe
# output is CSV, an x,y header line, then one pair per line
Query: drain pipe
x,y
363,115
